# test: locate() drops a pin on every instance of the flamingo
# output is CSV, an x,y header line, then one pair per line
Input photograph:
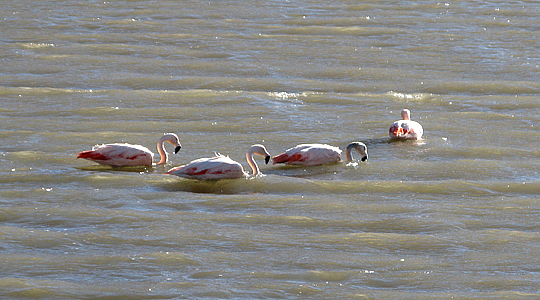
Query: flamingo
x,y
318,154
117,155
406,129
220,166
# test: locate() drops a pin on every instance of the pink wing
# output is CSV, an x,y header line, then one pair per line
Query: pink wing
x,y
309,155
119,155
218,167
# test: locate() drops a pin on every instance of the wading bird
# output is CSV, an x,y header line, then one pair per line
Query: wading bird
x,y
220,166
406,129
318,154
118,155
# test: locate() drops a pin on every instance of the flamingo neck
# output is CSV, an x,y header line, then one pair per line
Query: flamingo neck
x,y
252,163
162,153
405,114
348,154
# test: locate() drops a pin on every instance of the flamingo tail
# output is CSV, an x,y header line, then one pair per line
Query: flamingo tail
x,y
281,158
91,155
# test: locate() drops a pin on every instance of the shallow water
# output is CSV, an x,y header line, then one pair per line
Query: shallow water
x,y
454,215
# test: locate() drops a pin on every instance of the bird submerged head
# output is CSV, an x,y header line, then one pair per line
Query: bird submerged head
x,y
359,147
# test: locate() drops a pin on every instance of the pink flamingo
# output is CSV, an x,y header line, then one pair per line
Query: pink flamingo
x,y
220,166
318,154
406,129
117,155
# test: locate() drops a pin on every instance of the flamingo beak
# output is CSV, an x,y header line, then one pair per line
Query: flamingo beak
x,y
177,149
364,158
267,159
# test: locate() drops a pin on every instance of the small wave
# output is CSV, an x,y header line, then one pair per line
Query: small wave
x,y
486,88
37,45
273,184
410,97
337,30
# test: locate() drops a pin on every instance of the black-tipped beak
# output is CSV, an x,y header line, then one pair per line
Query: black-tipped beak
x,y
177,149
364,158
267,159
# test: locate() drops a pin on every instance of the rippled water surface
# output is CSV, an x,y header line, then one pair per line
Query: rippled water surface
x,y
452,216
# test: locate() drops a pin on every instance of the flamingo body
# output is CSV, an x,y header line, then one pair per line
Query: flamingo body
x,y
220,166
319,154
118,155
406,129
309,155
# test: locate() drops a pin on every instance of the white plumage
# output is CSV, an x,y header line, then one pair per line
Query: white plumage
x,y
130,155
317,154
309,155
406,129
220,166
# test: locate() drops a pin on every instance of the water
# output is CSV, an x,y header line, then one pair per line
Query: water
x,y
452,216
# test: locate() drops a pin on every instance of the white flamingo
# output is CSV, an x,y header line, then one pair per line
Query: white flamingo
x,y
318,154
117,155
406,129
220,166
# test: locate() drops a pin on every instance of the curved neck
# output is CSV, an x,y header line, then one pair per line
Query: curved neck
x,y
162,153
252,163
348,154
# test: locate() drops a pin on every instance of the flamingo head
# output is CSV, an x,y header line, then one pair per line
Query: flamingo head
x,y
172,139
360,148
259,150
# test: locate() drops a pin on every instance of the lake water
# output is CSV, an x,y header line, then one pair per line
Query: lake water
x,y
452,216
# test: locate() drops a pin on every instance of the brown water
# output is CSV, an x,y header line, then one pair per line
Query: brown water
x,y
454,215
